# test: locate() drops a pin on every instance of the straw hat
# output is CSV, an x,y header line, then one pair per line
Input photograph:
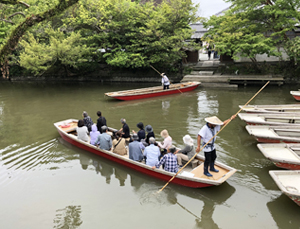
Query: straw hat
x,y
188,140
214,120
164,133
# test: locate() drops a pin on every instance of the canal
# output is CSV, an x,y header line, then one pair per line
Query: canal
x,y
47,183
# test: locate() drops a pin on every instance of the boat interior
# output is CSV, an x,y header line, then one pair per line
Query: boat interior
x,y
193,169
148,90
287,132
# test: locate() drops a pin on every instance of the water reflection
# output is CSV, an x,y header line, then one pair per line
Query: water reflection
x,y
287,216
146,188
68,217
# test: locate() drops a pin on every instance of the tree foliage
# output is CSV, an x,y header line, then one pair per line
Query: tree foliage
x,y
67,50
133,34
45,12
253,27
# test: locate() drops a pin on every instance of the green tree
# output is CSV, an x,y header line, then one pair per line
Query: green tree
x,y
35,15
133,34
253,27
62,49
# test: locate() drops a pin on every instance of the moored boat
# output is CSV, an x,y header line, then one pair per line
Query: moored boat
x,y
153,91
271,119
295,94
285,156
288,182
190,177
274,134
284,108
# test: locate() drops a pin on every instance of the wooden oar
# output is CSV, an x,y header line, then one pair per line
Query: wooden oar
x,y
169,80
213,137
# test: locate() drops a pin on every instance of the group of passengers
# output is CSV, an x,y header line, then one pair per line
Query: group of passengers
x,y
142,144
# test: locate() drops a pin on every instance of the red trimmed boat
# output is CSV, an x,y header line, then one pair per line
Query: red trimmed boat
x,y
189,176
279,119
286,156
150,92
288,182
296,95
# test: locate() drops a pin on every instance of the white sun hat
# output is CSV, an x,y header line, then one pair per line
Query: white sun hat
x,y
214,120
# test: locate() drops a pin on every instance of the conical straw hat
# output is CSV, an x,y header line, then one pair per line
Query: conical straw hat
x,y
214,120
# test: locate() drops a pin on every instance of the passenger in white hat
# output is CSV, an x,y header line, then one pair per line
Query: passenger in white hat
x,y
213,125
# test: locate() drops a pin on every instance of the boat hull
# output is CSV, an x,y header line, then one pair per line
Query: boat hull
x,y
296,95
157,173
154,94
289,166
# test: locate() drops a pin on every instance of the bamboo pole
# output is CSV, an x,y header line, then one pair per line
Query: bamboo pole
x,y
213,137
160,74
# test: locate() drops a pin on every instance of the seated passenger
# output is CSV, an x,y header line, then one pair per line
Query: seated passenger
x,y
125,129
167,141
141,133
119,144
169,161
104,140
188,152
94,134
135,150
87,120
150,133
82,131
151,153
101,121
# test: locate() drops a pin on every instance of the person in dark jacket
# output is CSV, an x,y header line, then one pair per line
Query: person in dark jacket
x,y
141,133
150,133
87,121
125,129
101,121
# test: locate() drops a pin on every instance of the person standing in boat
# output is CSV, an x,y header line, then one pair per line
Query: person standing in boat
x,y
210,129
87,121
101,121
165,81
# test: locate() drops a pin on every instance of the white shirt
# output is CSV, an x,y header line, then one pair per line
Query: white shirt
x,y
165,80
206,134
82,133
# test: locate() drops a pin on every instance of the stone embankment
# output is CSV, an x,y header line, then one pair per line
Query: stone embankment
x,y
206,73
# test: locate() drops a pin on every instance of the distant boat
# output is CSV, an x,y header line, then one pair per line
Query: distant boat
x,y
271,119
285,156
288,182
153,91
275,134
285,108
189,176
296,95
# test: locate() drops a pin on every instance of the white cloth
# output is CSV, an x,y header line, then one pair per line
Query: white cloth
x,y
206,134
165,80
82,133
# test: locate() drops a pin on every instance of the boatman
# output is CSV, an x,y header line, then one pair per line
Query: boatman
x,y
212,126
165,81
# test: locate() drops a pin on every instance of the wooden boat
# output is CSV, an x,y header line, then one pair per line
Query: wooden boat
x,y
275,134
296,94
288,182
190,177
153,91
285,156
271,119
285,108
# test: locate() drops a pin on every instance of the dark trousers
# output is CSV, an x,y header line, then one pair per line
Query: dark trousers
x,y
166,87
210,158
